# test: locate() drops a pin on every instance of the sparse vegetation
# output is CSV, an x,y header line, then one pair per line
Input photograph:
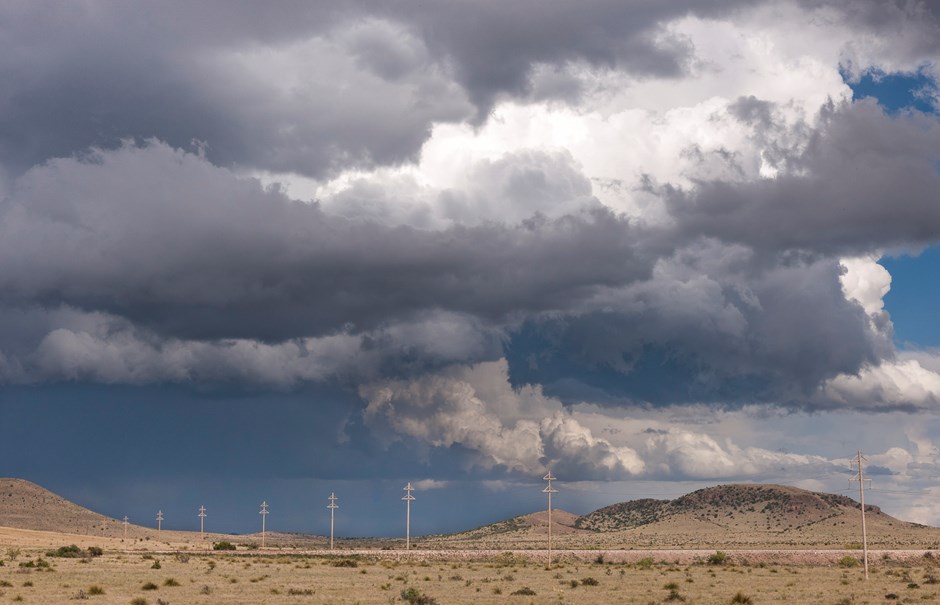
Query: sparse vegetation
x,y
95,590
223,546
149,586
741,599
524,591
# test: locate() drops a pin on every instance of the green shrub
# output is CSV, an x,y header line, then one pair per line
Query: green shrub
x,y
719,558
69,552
345,563
848,561
415,597
645,563
223,546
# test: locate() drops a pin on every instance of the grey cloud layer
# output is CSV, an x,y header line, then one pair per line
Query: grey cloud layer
x,y
167,240
305,87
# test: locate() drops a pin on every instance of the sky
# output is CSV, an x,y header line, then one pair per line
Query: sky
x,y
274,253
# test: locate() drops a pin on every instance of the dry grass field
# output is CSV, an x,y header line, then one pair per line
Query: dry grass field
x,y
135,577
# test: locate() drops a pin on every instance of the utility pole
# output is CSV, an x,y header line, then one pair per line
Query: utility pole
x,y
159,520
125,527
264,514
549,490
202,521
860,477
332,506
408,498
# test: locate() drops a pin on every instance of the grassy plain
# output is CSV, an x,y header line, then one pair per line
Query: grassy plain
x,y
168,578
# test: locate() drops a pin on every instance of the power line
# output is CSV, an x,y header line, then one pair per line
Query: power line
x,y
860,477
408,498
264,514
549,490
202,519
333,506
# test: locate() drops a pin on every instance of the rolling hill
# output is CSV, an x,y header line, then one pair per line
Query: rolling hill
x,y
734,516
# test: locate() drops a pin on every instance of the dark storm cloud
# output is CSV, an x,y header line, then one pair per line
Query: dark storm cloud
x,y
863,181
305,87
718,328
169,241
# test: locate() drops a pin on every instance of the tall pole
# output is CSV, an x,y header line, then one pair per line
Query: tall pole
x,y
408,498
860,477
159,520
125,527
549,490
332,506
264,514
202,522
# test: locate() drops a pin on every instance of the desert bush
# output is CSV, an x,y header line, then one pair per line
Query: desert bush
x,y
848,561
674,596
13,553
223,546
573,583
95,590
599,559
149,586
589,581
415,597
5,584
69,552
300,591
95,551
156,565
645,563
138,601
171,582
182,557
345,563
524,591
741,599
719,558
